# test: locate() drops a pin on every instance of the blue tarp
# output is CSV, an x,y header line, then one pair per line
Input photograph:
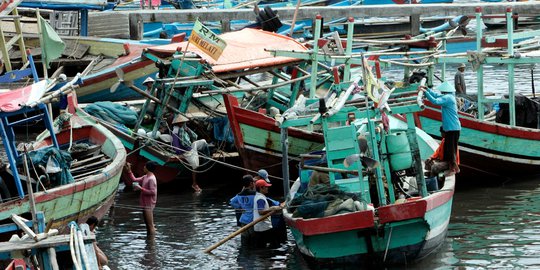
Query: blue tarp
x,y
112,113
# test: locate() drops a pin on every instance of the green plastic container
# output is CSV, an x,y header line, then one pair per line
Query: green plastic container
x,y
399,150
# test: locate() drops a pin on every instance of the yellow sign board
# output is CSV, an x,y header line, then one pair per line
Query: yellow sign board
x,y
207,41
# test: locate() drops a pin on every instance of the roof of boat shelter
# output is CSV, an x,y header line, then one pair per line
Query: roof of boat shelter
x,y
245,49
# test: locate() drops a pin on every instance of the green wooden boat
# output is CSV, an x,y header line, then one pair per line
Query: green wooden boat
x,y
350,203
494,148
91,177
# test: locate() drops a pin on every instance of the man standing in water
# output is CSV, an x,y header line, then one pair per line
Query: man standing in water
x,y
459,81
263,230
450,121
147,184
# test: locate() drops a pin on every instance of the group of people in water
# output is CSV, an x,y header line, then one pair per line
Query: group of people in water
x,y
253,205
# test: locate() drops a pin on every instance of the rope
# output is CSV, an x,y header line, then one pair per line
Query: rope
x,y
165,145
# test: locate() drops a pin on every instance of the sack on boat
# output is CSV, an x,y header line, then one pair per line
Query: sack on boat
x,y
52,165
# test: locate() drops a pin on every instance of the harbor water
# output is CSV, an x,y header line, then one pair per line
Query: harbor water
x,y
495,227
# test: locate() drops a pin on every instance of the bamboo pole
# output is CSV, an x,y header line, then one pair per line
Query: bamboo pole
x,y
239,231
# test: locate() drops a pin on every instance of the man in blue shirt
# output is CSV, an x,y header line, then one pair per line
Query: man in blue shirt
x,y
243,204
243,201
450,121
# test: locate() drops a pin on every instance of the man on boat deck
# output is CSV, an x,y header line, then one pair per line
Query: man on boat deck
x,y
186,144
264,233
459,80
436,163
147,184
262,174
450,121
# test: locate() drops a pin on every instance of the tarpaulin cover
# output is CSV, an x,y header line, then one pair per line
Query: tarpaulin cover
x,y
245,49
112,112
61,158
15,99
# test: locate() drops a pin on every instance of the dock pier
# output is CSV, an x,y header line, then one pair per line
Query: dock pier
x,y
413,11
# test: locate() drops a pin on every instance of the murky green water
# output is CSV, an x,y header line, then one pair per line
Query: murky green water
x,y
491,228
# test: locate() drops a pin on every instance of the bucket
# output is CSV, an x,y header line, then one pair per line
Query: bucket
x,y
397,146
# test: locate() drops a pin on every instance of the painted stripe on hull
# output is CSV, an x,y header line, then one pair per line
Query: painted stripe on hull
x,y
410,240
271,141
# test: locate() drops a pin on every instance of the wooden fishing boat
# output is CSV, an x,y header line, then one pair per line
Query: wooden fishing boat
x,y
257,135
86,154
357,214
490,147
195,91
71,250
99,59
96,58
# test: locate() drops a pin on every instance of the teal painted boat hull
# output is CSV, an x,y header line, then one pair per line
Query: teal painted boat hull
x,y
394,234
490,148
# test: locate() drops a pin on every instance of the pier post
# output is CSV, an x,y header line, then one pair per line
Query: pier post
x,y
414,19
225,26
135,26
285,161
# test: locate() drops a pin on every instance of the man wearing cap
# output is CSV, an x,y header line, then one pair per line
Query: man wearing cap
x,y
263,229
262,174
450,121
459,80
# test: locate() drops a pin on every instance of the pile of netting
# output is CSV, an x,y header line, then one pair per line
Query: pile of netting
x,y
324,200
55,162
113,113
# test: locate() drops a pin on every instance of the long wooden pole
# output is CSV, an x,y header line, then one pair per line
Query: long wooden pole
x,y
239,231
294,17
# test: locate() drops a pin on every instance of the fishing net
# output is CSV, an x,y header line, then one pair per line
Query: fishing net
x,y
56,162
112,113
323,200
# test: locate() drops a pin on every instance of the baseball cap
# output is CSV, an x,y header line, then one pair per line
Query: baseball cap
x,y
262,183
264,175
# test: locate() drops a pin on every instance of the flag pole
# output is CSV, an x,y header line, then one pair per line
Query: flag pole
x,y
43,56
166,99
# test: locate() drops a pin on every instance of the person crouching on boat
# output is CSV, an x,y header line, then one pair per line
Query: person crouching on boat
x,y
243,204
147,184
450,121
186,144
264,233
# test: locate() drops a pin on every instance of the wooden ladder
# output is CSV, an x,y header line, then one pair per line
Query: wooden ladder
x,y
339,145
9,14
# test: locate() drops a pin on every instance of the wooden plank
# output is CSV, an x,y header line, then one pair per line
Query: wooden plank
x,y
89,166
84,161
51,241
75,49
103,24
84,175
